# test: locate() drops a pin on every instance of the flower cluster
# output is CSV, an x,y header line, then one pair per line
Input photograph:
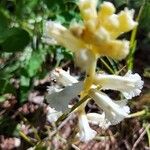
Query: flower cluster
x,y
96,37
129,85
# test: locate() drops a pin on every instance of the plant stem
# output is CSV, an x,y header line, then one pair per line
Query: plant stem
x,y
137,114
25,138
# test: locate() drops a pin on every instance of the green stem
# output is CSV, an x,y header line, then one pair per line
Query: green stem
x,y
107,66
133,40
26,138
137,114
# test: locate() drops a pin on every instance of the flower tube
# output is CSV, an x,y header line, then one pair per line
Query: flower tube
x,y
85,132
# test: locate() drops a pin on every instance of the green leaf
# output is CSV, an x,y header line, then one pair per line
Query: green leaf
x,y
8,70
53,5
2,99
3,21
23,95
14,39
6,87
145,18
34,63
119,3
25,81
26,7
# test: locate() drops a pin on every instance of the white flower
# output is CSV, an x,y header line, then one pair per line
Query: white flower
x,y
63,77
59,97
85,132
62,36
52,114
17,142
98,119
130,85
115,111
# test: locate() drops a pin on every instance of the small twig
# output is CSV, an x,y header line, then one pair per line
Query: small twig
x,y
62,117
148,134
72,115
107,66
75,147
33,128
118,72
127,145
140,137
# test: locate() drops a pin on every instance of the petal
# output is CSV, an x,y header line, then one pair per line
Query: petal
x,y
63,77
89,13
98,119
113,111
126,20
85,132
62,36
130,85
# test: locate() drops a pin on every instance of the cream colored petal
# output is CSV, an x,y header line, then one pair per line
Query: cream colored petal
x,y
126,20
63,36
89,13
130,85
106,9
85,132
115,112
115,49
84,58
63,77
98,119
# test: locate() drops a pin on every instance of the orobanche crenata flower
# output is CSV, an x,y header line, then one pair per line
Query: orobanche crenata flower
x,y
96,36
114,111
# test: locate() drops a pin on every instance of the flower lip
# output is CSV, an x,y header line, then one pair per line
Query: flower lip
x,y
115,111
130,84
85,133
98,119
63,77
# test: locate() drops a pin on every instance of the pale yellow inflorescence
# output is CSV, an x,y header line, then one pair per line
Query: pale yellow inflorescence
x,y
96,37
98,32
